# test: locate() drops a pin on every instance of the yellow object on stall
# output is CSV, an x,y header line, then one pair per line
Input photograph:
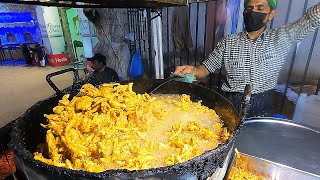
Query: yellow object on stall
x,y
112,127
244,169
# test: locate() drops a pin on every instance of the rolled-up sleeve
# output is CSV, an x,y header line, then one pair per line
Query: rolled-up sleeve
x,y
298,30
214,61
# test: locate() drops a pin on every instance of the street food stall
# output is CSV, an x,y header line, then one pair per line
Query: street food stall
x,y
262,148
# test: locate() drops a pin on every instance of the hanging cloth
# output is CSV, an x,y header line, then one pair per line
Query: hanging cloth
x,y
181,33
136,67
240,24
233,7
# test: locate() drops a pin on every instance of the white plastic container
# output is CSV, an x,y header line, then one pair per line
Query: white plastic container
x,y
298,112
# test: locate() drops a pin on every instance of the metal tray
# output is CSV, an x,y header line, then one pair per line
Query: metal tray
x,y
275,171
283,142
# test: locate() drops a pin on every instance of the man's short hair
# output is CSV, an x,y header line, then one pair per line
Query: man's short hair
x,y
98,57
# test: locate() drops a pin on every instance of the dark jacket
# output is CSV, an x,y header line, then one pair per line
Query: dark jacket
x,y
25,52
39,52
105,76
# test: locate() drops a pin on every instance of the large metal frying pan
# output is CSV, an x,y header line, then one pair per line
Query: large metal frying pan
x,y
27,134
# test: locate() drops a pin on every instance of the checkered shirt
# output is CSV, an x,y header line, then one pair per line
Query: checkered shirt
x,y
258,62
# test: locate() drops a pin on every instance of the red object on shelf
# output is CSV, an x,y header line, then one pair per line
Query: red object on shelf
x,y
58,59
88,67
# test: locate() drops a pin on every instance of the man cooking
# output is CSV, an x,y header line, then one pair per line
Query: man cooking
x,y
255,56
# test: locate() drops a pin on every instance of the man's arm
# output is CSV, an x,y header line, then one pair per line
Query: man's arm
x,y
298,30
199,72
208,66
87,78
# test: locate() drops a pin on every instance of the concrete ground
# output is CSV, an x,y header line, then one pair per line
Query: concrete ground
x,y
21,87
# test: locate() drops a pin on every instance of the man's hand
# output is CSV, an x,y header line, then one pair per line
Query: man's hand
x,y
90,69
182,70
199,72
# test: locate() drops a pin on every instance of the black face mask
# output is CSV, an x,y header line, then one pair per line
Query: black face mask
x,y
254,20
